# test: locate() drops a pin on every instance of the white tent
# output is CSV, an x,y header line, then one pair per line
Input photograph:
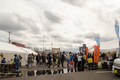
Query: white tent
x,y
29,51
9,50
108,46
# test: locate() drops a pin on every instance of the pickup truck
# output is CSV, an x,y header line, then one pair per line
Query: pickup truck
x,y
116,67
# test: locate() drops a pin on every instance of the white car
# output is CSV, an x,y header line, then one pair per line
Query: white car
x,y
116,67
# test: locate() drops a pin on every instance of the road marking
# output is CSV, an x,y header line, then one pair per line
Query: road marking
x,y
103,72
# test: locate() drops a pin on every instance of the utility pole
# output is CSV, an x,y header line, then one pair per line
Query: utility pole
x,y
34,46
9,36
43,43
51,47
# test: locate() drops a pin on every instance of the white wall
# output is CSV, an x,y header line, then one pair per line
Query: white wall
x,y
10,56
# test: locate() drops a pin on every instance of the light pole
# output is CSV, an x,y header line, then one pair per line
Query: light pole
x,y
43,43
51,47
70,46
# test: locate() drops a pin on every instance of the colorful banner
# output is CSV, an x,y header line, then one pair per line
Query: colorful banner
x,y
97,38
87,51
96,54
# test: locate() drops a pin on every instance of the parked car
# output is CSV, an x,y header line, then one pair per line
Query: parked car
x,y
116,67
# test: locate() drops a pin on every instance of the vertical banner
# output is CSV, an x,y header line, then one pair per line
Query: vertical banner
x,y
117,32
96,54
87,51
80,49
97,38
84,49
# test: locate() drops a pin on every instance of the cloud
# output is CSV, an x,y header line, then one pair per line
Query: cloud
x,y
52,17
15,23
90,36
75,2
107,38
78,41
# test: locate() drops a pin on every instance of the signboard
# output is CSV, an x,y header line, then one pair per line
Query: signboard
x,y
96,54
87,51
84,49
55,50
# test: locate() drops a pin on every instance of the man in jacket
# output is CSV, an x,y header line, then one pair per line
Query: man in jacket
x,y
38,60
62,59
49,60
29,60
16,60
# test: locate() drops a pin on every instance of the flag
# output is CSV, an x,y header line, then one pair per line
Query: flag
x,y
97,38
96,54
117,28
87,51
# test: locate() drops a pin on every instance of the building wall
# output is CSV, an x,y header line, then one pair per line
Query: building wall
x,y
55,50
18,44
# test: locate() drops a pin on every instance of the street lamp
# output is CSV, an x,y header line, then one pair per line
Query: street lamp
x,y
70,46
43,43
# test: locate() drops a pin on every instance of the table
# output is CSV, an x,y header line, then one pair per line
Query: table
x,y
3,66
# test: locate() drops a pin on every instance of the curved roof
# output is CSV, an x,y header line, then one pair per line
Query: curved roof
x,y
29,51
9,48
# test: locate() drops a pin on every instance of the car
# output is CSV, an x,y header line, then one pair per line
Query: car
x,y
116,67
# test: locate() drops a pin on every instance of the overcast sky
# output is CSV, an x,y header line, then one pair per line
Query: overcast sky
x,y
64,23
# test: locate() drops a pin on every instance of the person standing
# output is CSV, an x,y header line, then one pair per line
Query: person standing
x,y
38,60
43,58
49,60
79,62
58,57
68,59
29,60
75,60
71,57
62,59
16,61
90,61
54,60
20,60
83,61
32,58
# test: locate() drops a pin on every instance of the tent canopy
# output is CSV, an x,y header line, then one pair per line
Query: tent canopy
x,y
108,46
9,48
29,51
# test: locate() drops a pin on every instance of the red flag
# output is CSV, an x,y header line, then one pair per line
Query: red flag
x,y
87,51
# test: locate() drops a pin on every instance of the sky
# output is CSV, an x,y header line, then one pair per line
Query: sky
x,y
68,24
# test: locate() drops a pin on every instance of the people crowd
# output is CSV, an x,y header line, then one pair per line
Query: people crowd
x,y
75,60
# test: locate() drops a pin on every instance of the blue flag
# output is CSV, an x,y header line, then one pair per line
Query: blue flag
x,y
117,28
98,40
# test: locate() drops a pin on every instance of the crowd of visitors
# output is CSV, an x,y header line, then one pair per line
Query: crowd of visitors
x,y
76,60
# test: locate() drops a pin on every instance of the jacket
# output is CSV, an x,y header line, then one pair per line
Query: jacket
x,y
68,57
29,59
16,59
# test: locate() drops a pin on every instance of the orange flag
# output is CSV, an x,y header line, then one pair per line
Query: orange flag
x,y
96,54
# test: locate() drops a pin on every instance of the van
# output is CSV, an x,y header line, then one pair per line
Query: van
x,y
116,67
